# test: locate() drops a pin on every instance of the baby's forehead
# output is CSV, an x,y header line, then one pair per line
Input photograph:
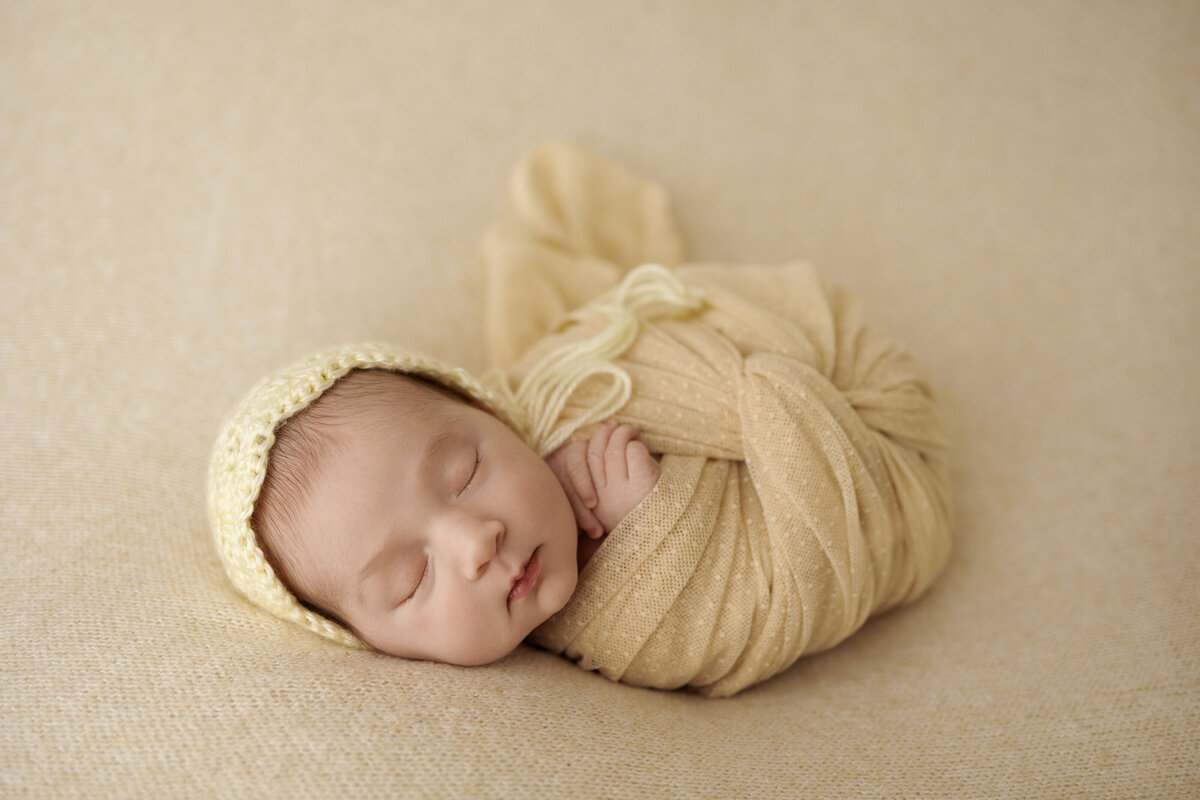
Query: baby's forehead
x,y
410,414
362,404
364,391
320,447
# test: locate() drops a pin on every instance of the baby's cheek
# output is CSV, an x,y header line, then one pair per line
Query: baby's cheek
x,y
469,635
563,586
484,648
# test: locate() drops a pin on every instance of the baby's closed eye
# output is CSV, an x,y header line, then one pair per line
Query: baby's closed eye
x,y
416,584
390,581
476,461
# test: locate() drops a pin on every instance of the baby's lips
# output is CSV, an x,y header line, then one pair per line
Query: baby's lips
x,y
524,582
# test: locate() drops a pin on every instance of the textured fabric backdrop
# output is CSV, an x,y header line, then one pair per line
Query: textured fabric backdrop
x,y
193,193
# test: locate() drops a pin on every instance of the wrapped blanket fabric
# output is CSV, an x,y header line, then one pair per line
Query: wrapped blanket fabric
x,y
804,486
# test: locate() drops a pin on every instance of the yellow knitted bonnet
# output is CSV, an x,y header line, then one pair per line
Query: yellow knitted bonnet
x,y
239,460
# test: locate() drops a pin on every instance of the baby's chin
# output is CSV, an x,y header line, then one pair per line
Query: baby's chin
x,y
472,651
465,657
480,660
552,604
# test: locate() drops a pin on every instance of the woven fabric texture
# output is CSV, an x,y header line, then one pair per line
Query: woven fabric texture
x,y
804,483
192,194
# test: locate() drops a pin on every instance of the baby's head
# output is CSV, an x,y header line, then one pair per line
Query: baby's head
x,y
408,514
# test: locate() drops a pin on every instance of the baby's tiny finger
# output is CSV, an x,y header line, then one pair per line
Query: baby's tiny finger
x,y
641,463
589,524
578,474
615,463
585,519
595,453
594,529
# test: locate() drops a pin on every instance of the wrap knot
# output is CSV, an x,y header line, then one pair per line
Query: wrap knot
x,y
648,292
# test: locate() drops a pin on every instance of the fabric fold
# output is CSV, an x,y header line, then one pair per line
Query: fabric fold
x,y
578,225
804,485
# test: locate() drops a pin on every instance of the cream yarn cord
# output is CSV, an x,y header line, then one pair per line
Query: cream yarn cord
x,y
648,292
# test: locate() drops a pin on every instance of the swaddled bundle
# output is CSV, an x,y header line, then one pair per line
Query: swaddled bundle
x,y
803,484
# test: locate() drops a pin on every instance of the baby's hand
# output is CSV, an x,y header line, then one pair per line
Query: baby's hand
x,y
605,477
569,464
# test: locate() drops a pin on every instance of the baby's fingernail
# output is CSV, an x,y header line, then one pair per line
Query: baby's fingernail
x,y
590,502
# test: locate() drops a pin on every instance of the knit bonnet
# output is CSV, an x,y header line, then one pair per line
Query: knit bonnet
x,y
238,465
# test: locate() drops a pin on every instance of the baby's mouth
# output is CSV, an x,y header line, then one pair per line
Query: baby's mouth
x,y
524,582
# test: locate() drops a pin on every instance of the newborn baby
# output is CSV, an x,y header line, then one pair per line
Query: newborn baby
x,y
425,525
676,475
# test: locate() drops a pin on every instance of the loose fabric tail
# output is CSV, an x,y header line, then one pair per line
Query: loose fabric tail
x,y
647,292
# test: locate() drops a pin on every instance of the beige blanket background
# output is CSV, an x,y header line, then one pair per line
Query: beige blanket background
x,y
192,194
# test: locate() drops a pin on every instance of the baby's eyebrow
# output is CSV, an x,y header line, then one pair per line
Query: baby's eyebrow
x,y
437,442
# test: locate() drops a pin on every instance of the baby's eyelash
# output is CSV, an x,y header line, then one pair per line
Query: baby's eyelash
x,y
474,471
418,586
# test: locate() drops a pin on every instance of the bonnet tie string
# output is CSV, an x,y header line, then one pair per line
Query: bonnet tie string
x,y
648,292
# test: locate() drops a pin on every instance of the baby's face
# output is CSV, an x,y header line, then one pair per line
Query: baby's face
x,y
439,533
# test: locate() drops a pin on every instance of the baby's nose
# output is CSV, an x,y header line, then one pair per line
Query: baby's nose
x,y
480,542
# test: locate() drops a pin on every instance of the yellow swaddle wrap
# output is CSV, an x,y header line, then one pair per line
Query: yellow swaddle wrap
x,y
804,485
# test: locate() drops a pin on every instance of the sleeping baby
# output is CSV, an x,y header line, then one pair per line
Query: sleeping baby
x,y
425,525
678,476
